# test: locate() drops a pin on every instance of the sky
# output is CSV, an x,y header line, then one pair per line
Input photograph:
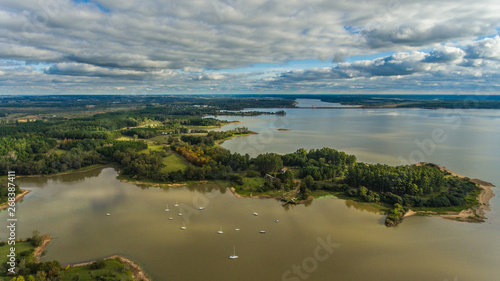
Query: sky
x,y
249,46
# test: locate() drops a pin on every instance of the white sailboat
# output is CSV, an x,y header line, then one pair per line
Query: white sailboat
x,y
176,204
234,256
180,214
262,231
167,209
220,231
201,208
183,227
170,218
255,214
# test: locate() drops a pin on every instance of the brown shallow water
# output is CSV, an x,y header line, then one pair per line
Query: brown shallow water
x,y
72,208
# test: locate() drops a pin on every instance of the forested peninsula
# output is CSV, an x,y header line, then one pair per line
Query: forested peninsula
x,y
170,140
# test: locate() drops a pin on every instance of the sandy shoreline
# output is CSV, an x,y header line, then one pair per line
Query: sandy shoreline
x,y
155,184
137,271
19,197
46,240
81,170
474,214
219,142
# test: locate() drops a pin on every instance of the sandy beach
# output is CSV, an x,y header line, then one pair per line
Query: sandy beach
x,y
46,239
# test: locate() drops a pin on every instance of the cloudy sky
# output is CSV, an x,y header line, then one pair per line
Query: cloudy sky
x,y
249,46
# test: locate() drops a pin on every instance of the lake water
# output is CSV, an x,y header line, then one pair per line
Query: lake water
x,y
72,208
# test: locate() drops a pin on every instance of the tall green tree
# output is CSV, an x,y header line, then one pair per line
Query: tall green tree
x,y
269,162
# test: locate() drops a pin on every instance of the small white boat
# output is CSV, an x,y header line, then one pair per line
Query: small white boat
x,y
237,229
176,204
108,214
262,231
184,226
234,256
180,214
220,231
255,214
167,209
201,208
170,218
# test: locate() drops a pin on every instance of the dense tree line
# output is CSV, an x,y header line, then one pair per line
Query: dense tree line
x,y
24,147
320,164
85,145
227,134
197,140
267,163
142,133
400,180
27,265
80,154
408,186
54,163
4,191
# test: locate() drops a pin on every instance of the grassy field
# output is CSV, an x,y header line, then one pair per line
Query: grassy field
x,y
173,163
162,139
251,187
114,270
59,151
152,148
125,138
253,183
20,247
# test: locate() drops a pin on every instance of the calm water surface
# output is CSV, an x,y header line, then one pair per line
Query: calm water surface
x,y
72,208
